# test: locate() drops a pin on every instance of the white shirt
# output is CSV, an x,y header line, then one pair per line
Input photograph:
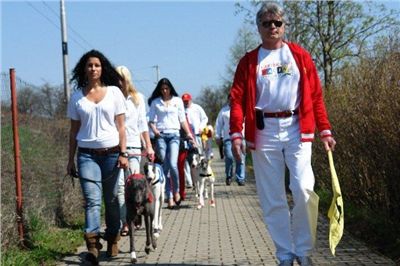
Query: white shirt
x,y
167,116
277,80
197,118
135,121
222,123
98,128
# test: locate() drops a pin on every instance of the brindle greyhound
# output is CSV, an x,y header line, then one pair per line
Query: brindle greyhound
x,y
139,201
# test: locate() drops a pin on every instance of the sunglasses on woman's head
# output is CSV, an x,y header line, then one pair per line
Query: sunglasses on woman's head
x,y
268,23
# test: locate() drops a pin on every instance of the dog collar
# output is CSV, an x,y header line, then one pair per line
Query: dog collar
x,y
207,175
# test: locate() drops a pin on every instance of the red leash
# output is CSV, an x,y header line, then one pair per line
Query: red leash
x,y
143,154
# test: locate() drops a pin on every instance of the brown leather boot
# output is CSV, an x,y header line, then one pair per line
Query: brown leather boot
x,y
112,245
93,245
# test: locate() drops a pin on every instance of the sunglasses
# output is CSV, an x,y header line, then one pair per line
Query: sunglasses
x,y
268,23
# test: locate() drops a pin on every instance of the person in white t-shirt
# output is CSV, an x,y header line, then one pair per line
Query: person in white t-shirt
x,y
166,117
136,130
197,120
97,112
222,137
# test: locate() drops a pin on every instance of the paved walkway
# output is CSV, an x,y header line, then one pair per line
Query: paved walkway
x,y
232,233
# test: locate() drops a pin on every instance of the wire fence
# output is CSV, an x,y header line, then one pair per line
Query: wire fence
x,y
48,197
5,87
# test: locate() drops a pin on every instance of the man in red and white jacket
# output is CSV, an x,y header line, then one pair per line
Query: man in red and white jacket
x,y
277,94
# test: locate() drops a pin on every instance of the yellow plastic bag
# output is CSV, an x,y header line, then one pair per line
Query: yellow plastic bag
x,y
312,212
336,211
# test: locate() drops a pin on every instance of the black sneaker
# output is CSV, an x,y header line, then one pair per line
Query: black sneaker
x,y
228,181
240,183
304,261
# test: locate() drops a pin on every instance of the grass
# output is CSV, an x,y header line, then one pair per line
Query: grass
x,y
43,163
372,227
47,245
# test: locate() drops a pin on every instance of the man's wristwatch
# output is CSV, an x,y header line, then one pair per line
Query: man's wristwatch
x,y
124,154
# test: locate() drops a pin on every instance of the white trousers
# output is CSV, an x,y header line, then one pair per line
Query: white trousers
x,y
279,144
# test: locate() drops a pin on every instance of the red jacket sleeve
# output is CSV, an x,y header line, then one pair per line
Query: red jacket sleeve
x,y
238,99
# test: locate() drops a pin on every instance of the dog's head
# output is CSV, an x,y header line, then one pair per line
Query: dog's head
x,y
204,163
193,157
137,193
150,171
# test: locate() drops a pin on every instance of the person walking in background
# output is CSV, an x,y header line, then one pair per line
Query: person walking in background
x,y
197,120
97,112
166,117
222,135
277,92
136,130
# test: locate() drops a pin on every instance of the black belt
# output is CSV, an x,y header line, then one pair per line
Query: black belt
x,y
287,113
100,151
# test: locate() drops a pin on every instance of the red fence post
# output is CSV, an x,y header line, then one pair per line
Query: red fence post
x,y
17,157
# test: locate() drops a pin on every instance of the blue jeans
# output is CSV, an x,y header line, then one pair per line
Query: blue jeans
x,y
240,168
168,150
99,177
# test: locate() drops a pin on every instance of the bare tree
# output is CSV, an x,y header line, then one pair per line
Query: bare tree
x,y
245,41
52,99
212,99
334,32
47,101
27,101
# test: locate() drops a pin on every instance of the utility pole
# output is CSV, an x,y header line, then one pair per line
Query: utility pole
x,y
157,73
64,50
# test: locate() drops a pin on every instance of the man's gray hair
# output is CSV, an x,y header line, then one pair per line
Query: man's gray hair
x,y
273,8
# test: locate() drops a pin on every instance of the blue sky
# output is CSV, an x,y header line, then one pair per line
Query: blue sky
x,y
188,40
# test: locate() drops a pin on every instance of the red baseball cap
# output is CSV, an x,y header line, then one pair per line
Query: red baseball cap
x,y
186,97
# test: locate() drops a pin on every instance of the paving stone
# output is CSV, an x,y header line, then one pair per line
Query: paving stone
x,y
232,233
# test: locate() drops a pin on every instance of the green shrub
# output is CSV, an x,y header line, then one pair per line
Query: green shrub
x,y
363,108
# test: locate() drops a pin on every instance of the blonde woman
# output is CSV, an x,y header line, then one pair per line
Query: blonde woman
x,y
136,131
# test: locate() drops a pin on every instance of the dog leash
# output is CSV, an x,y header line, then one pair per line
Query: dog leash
x,y
143,154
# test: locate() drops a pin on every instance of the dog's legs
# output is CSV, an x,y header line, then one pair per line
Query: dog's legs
x,y
201,194
148,233
160,224
198,182
132,229
212,202
195,180
157,196
152,238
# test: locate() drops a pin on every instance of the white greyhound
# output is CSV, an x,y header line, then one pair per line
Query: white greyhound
x,y
205,177
156,178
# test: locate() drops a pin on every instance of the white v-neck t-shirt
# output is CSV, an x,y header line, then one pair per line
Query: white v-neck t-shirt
x,y
167,116
277,80
98,128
